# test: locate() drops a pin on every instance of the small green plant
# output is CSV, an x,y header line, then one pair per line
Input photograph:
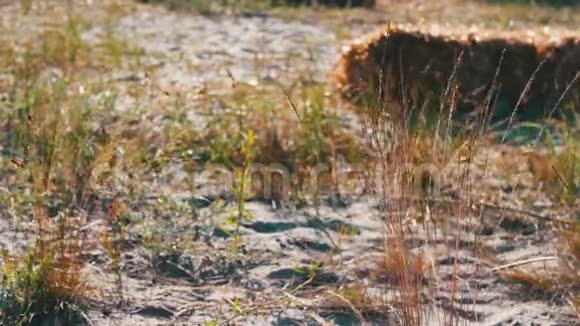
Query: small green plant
x,y
236,306
241,188
310,273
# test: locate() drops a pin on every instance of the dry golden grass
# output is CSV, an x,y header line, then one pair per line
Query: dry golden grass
x,y
540,165
62,155
532,280
399,266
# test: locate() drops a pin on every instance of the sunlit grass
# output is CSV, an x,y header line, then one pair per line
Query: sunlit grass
x,y
68,151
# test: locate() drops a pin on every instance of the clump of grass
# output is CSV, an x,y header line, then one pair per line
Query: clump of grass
x,y
61,47
418,155
357,295
400,266
58,158
558,168
54,152
406,271
567,169
44,284
114,51
51,134
209,7
294,133
290,140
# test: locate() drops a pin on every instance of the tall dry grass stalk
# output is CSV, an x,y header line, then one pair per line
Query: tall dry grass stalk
x,y
419,163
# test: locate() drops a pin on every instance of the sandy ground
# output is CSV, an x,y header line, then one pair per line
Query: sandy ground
x,y
280,245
